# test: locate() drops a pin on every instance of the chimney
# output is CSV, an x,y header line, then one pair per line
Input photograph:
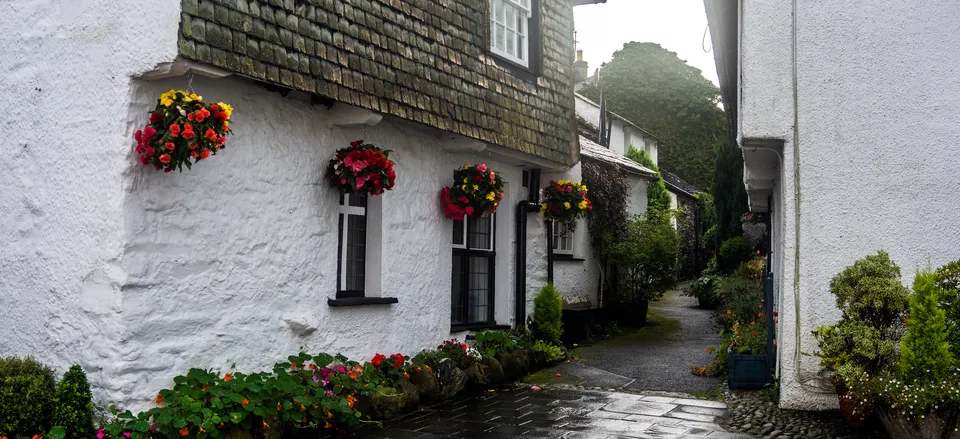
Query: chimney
x,y
580,68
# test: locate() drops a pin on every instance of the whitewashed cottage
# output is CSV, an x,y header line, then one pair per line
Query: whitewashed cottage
x,y
846,117
138,275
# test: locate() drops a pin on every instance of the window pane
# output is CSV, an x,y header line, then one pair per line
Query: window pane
x,y
357,200
458,233
356,243
511,17
521,47
478,292
499,37
510,44
501,11
456,310
480,233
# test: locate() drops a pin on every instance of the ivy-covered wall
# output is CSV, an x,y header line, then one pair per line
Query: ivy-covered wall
x,y
422,60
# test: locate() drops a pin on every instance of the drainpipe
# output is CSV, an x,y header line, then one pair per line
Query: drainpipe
x,y
525,207
550,225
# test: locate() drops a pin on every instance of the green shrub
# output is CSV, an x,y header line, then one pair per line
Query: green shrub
x,y
640,156
489,343
553,352
924,352
704,289
740,298
646,259
873,302
74,406
733,252
27,393
709,241
548,313
948,281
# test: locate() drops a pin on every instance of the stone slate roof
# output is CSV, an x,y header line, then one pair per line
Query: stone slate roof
x,y
426,61
672,180
595,151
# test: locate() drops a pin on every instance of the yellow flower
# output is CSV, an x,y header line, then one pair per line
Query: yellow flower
x,y
543,207
583,187
491,196
226,108
194,97
464,187
475,187
464,179
566,204
465,167
582,205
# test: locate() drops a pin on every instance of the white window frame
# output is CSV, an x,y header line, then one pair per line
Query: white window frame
x,y
522,7
560,227
346,211
464,236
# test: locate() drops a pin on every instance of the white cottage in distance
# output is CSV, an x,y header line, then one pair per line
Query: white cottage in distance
x,y
847,119
138,275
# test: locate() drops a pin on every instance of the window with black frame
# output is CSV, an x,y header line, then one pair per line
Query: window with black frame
x,y
351,255
473,271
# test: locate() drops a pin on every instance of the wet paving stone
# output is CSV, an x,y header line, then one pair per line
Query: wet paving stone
x,y
567,413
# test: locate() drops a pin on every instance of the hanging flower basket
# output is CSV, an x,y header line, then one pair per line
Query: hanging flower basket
x,y
476,190
182,127
361,168
565,201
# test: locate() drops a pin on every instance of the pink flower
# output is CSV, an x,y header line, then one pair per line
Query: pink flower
x,y
464,199
330,392
126,434
138,135
343,181
316,380
148,132
342,369
153,427
100,434
357,165
493,176
150,151
140,149
360,182
535,388
482,168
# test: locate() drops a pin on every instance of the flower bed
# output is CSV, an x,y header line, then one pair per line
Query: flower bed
x,y
326,394
182,127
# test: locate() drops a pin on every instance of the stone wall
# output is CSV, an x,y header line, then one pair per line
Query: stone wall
x,y
424,61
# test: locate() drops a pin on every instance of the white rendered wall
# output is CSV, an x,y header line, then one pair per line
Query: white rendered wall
x,y
877,150
577,279
66,89
617,137
587,111
637,199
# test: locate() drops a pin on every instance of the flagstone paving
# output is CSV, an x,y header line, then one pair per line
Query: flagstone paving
x,y
555,412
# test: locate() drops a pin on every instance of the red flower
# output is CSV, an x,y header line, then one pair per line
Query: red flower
x,y
205,154
148,132
464,199
194,145
211,135
194,154
221,140
150,151
174,130
170,145
221,116
138,135
464,346
202,114
165,158
214,107
468,210
155,117
191,117
378,359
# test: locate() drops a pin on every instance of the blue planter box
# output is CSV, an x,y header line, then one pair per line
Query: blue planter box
x,y
748,371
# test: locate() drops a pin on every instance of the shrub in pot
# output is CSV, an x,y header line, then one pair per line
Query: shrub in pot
x,y
873,304
646,263
548,314
27,393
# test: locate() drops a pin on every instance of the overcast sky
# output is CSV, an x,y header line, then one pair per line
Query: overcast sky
x,y
677,25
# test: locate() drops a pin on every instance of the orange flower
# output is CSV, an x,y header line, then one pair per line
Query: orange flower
x,y
303,408
184,431
265,425
205,154
351,400
194,154
194,145
406,376
165,158
205,387
158,399
37,436
293,365
245,401
327,425
313,366
210,134
170,145
428,368
228,377
279,407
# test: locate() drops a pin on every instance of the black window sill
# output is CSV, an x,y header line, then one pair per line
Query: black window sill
x,y
358,301
557,257
477,327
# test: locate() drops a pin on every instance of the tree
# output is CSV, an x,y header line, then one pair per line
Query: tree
x,y
647,257
729,196
924,352
658,198
661,93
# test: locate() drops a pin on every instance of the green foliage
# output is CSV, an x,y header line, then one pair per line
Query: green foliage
x,y
924,352
948,281
27,394
548,313
709,241
608,195
733,252
612,328
307,391
741,299
553,352
461,355
729,195
873,302
489,343
640,156
655,89
705,289
708,213
74,406
658,197
749,337
647,259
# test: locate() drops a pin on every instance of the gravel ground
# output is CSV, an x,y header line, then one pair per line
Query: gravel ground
x,y
751,412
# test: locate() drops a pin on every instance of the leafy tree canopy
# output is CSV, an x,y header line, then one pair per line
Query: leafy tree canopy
x,y
652,87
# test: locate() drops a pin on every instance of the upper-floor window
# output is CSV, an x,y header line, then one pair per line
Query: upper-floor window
x,y
510,29
562,238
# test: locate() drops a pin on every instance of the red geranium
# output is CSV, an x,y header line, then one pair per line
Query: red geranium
x,y
362,168
378,359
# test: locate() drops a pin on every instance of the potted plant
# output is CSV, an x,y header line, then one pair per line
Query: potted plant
x,y
361,168
182,127
863,344
748,365
476,190
565,201
646,265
